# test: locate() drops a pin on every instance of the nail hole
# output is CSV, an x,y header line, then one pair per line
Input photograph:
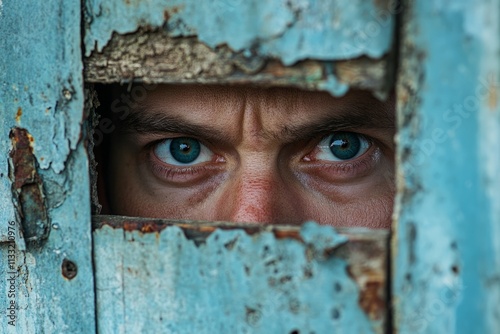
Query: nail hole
x,y
69,269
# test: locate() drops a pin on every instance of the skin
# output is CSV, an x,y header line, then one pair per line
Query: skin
x,y
264,164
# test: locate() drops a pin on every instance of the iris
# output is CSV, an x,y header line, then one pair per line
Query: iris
x,y
345,145
185,150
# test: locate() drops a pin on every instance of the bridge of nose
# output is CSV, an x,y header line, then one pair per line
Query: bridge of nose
x,y
257,192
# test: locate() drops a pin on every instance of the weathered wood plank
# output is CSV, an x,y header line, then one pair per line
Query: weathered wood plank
x,y
331,45
184,277
154,57
447,246
45,211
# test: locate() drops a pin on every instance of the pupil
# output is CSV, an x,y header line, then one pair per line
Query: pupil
x,y
345,145
185,150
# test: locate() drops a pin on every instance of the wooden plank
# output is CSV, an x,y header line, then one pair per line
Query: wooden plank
x,y
45,242
323,45
447,246
154,57
196,277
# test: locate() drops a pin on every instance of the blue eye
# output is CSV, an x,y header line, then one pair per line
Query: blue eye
x,y
342,145
185,150
182,151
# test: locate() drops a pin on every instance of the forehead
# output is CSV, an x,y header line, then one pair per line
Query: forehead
x,y
207,102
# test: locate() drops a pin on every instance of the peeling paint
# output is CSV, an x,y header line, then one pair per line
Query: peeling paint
x,y
323,240
232,282
152,56
27,187
56,62
40,62
287,30
448,239
263,279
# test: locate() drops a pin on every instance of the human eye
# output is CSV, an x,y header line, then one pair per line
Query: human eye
x,y
342,156
183,160
182,151
342,146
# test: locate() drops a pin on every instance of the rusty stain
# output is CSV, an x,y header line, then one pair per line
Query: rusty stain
x,y
27,188
19,114
190,228
370,274
370,300
22,158
69,269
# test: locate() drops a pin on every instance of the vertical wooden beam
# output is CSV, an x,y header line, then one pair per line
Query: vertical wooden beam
x,y
447,241
46,279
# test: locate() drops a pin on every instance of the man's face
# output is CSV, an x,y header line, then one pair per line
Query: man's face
x,y
242,154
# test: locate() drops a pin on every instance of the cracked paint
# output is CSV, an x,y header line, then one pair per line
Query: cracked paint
x,y
448,238
41,98
274,279
287,30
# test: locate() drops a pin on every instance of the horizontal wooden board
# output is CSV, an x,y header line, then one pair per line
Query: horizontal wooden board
x,y
196,277
154,57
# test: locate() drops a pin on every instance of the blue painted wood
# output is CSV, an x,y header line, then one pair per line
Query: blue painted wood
x,y
447,246
233,282
282,29
289,30
41,91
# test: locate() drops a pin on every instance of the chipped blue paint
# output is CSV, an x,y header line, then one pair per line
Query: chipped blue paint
x,y
321,238
41,91
447,255
290,30
332,84
231,283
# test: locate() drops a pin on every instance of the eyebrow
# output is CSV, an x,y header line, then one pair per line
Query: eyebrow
x,y
362,117
141,121
378,118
